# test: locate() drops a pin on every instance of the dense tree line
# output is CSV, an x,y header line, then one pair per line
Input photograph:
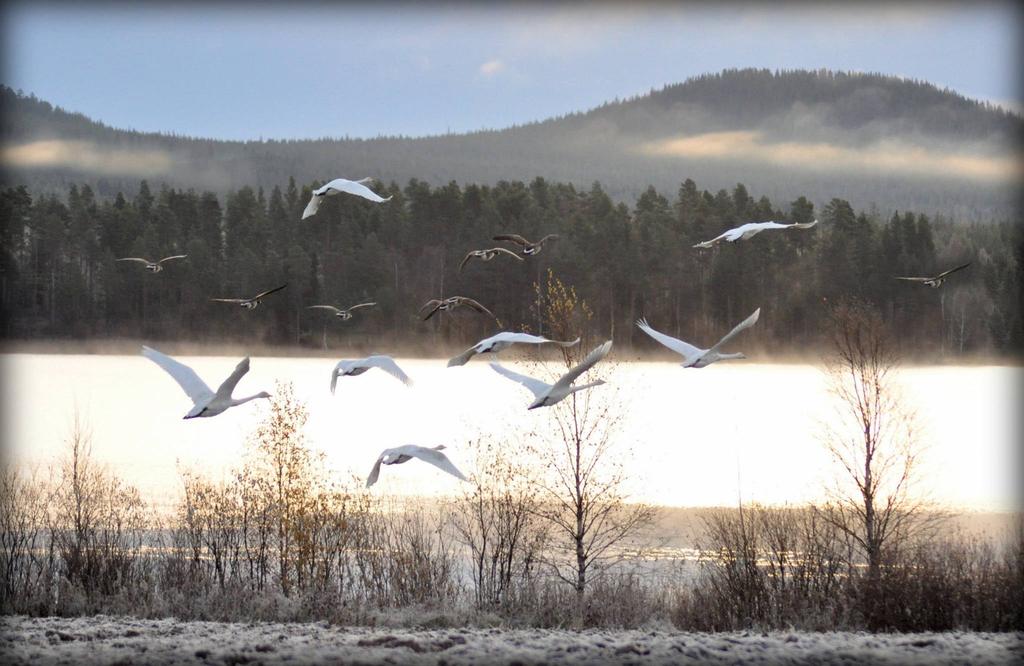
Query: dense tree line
x,y
59,278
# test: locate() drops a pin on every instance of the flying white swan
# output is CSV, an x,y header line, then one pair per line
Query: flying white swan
x,y
935,282
361,365
694,357
401,454
504,340
337,186
487,255
153,266
344,315
549,394
528,247
207,403
745,231
250,303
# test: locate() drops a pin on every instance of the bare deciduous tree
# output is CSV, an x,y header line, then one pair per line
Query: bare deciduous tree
x,y
874,440
286,465
582,476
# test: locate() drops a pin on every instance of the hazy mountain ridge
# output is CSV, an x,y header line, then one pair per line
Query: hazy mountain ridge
x,y
868,138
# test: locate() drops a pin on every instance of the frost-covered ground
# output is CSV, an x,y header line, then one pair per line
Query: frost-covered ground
x,y
112,640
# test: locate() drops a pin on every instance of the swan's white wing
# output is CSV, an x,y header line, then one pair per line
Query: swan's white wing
x,y
536,386
173,256
526,338
194,387
340,368
375,472
464,357
504,336
139,259
685,349
743,325
432,456
590,361
227,387
387,364
352,187
722,236
311,207
745,231
362,305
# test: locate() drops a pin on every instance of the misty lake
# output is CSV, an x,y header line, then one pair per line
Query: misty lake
x,y
688,437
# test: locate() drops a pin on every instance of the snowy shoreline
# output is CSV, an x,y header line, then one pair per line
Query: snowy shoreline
x,y
124,640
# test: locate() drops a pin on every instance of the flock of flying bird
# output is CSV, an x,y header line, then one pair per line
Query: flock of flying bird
x,y
207,402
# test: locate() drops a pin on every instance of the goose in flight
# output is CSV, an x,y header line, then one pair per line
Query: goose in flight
x,y
745,231
487,255
935,282
249,303
528,247
153,266
549,394
344,315
504,340
694,357
402,454
361,365
337,186
206,402
438,304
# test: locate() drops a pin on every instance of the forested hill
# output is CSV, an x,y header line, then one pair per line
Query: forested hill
x,y
869,139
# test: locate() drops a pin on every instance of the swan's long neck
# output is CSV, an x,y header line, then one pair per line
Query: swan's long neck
x,y
235,402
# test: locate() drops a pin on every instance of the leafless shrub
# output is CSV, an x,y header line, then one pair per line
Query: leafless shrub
x,y
404,557
23,553
496,519
956,582
771,567
97,526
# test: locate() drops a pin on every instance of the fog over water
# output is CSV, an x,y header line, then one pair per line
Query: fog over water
x,y
689,436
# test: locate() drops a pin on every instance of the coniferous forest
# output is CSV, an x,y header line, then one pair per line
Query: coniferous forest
x,y
59,278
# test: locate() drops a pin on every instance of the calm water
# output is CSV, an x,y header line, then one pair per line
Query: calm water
x,y
696,437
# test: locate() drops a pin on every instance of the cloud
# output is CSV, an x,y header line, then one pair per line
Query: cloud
x,y
491,67
85,156
887,156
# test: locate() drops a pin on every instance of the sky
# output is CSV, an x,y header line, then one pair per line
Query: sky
x,y
234,71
